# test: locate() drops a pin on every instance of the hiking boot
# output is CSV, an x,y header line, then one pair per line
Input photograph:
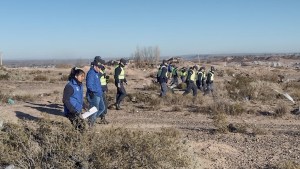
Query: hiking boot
x,y
118,107
104,121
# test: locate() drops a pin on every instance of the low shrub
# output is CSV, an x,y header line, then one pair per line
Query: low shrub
x,y
40,78
281,110
239,88
4,76
57,145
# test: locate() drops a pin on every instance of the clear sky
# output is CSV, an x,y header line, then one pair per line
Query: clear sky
x,y
49,29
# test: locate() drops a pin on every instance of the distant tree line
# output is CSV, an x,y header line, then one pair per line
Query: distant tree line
x,y
146,56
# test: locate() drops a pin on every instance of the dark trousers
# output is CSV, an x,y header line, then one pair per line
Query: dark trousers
x,y
105,103
121,93
163,88
191,86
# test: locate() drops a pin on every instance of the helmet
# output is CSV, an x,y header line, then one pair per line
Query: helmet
x,y
212,68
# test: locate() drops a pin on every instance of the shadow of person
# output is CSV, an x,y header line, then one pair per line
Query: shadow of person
x,y
54,109
22,115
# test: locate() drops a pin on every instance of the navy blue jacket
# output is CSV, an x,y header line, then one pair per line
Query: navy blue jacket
x,y
73,97
93,82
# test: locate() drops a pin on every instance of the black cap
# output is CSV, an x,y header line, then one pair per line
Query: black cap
x,y
98,61
123,61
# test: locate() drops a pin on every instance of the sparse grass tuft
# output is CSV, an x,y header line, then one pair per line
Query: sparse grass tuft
x,y
220,122
40,78
24,98
281,110
176,108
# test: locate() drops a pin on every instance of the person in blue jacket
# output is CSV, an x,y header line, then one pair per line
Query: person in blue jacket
x,y
73,97
94,91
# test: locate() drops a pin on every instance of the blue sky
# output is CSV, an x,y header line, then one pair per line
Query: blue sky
x,y
50,29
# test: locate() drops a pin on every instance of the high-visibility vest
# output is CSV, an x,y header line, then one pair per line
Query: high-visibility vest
x,y
212,75
193,76
160,70
183,73
122,74
174,71
102,79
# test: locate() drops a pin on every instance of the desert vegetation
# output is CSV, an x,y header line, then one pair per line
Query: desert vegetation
x,y
248,122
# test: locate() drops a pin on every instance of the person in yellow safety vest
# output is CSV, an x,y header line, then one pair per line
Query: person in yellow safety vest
x,y
162,77
120,80
174,82
103,81
201,79
183,74
190,80
210,80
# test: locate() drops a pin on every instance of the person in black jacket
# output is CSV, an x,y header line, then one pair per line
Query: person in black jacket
x,y
73,98
120,80
162,77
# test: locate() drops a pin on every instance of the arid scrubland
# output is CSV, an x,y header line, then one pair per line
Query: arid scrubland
x,y
246,123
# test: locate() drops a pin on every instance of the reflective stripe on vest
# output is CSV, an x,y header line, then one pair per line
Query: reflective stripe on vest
x,y
212,76
122,74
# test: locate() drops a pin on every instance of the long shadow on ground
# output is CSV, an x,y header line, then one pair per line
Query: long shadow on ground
x,y
22,115
54,109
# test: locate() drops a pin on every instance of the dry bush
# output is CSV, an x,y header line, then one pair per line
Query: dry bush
x,y
4,97
64,77
225,107
4,76
268,76
52,80
48,144
229,72
264,91
34,72
220,122
281,110
40,78
176,108
24,98
239,88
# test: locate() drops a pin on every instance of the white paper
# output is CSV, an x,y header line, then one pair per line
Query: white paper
x,y
89,113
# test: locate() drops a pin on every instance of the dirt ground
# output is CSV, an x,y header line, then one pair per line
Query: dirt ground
x,y
278,142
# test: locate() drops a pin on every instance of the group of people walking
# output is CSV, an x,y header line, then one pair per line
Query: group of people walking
x,y
96,89
195,79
